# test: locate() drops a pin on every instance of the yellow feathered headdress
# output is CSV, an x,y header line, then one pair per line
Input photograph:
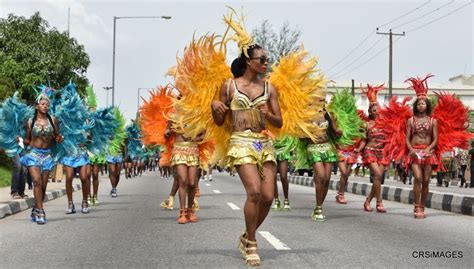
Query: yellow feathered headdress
x,y
242,37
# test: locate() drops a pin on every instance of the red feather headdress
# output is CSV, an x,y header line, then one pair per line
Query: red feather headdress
x,y
420,86
372,92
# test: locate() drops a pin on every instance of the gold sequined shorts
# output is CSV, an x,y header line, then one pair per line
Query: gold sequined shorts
x,y
250,148
185,153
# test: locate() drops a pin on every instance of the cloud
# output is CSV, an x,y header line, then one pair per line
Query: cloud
x,y
86,26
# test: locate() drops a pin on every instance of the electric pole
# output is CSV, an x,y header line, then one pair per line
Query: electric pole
x,y
353,88
390,61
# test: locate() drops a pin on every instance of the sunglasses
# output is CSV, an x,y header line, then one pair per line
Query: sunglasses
x,y
263,59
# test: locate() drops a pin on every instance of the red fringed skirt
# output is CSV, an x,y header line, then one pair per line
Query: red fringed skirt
x,y
373,155
348,156
422,158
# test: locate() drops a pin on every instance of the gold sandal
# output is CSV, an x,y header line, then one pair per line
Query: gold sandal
x,y
252,259
317,214
242,239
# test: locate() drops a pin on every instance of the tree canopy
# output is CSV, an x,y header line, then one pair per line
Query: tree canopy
x,y
276,45
33,53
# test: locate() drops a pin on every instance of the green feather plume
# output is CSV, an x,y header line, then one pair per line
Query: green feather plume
x,y
91,98
342,107
115,146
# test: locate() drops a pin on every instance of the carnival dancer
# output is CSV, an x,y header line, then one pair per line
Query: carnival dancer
x,y
322,156
419,138
76,157
40,131
246,113
250,99
155,114
115,152
134,148
251,102
100,135
351,123
372,152
284,149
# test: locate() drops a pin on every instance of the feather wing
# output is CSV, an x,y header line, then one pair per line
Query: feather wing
x,y
73,115
116,144
451,115
13,117
199,76
155,114
344,111
91,97
300,87
392,120
103,131
134,144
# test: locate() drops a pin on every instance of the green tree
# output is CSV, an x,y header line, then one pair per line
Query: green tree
x,y
277,45
7,88
33,53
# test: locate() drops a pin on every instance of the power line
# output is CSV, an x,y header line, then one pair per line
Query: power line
x,y
408,13
350,52
367,61
424,15
435,20
390,58
370,35
360,56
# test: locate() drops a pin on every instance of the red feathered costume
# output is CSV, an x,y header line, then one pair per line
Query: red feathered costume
x,y
374,154
449,113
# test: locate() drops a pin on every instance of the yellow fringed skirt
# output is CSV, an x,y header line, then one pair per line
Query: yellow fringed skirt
x,y
250,148
185,153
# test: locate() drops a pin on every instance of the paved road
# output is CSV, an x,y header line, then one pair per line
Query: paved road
x,y
132,231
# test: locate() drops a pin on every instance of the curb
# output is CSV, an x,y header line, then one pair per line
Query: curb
x,y
12,207
455,203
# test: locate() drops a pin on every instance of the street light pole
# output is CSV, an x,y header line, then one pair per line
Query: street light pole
x,y
113,49
113,66
107,89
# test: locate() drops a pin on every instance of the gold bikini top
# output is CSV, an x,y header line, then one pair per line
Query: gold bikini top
x,y
245,112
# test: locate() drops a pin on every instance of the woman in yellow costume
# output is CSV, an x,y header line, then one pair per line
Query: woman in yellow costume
x,y
247,113
250,100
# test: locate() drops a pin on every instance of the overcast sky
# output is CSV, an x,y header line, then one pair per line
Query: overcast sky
x,y
145,49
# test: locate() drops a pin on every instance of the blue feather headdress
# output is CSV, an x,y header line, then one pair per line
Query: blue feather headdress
x,y
44,92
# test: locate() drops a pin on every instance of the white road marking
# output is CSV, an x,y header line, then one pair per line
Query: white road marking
x,y
233,206
275,242
207,184
217,191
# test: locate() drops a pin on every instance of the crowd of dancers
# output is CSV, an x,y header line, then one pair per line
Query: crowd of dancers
x,y
247,118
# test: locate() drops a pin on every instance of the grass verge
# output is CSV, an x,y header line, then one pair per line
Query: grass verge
x,y
5,176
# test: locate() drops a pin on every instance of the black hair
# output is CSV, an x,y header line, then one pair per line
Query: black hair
x,y
240,64
428,106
